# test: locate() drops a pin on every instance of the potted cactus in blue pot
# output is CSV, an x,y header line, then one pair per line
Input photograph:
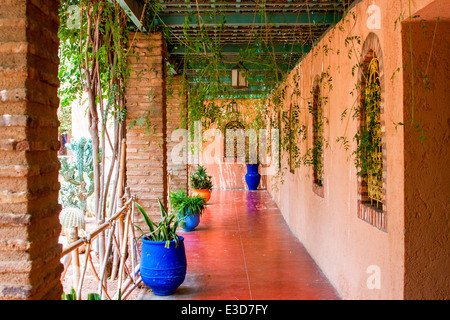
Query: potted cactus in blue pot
x,y
163,255
188,208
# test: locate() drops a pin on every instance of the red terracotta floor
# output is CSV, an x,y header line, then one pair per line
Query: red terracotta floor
x,y
244,250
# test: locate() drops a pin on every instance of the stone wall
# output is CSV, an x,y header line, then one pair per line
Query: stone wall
x,y
29,209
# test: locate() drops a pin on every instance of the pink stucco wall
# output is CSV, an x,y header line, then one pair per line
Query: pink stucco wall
x,y
427,170
350,251
225,174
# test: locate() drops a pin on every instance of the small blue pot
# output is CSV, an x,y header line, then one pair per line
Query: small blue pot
x,y
190,221
163,269
252,177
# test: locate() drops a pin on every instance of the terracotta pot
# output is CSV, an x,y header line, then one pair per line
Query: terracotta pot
x,y
205,193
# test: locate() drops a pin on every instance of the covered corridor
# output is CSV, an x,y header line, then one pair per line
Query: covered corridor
x,y
348,100
244,250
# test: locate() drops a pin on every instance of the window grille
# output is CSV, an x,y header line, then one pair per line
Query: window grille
x,y
234,141
317,137
372,127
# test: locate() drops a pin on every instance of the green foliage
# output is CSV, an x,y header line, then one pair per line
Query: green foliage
x,y
73,296
369,136
69,296
200,179
208,68
110,59
185,205
78,175
165,230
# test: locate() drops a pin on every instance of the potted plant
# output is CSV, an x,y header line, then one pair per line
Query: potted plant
x,y
163,256
188,209
201,183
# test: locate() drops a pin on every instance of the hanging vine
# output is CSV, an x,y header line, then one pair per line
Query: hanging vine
x,y
205,65
94,64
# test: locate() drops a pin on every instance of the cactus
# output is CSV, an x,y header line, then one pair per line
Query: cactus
x,y
72,218
78,175
73,223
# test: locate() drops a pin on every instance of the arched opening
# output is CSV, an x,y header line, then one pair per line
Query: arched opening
x,y
234,144
370,151
317,148
370,155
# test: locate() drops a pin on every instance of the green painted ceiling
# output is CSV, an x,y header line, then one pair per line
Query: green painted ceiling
x,y
268,36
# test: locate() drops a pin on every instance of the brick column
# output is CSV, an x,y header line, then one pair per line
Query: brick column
x,y
176,119
29,209
146,162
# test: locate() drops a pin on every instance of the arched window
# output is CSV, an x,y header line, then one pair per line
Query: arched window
x,y
371,146
317,148
291,141
370,152
234,145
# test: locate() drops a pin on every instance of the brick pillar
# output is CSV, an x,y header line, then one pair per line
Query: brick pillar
x,y
146,162
30,265
176,112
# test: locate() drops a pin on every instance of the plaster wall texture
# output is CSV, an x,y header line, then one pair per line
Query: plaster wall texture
x,y
427,170
360,260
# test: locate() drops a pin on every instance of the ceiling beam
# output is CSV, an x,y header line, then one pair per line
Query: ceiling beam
x,y
134,10
252,19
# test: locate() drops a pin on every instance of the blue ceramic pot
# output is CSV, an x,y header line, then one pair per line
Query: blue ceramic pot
x,y
190,221
163,269
252,177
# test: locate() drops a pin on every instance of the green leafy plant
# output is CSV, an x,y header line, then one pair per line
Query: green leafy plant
x,y
200,179
369,136
73,296
185,205
316,159
93,71
165,230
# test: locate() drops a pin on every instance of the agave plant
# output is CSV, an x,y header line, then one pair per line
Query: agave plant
x,y
185,205
165,230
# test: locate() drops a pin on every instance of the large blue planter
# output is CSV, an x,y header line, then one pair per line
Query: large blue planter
x,y
252,177
163,269
190,221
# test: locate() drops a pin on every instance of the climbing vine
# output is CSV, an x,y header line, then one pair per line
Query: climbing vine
x,y
368,137
101,46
